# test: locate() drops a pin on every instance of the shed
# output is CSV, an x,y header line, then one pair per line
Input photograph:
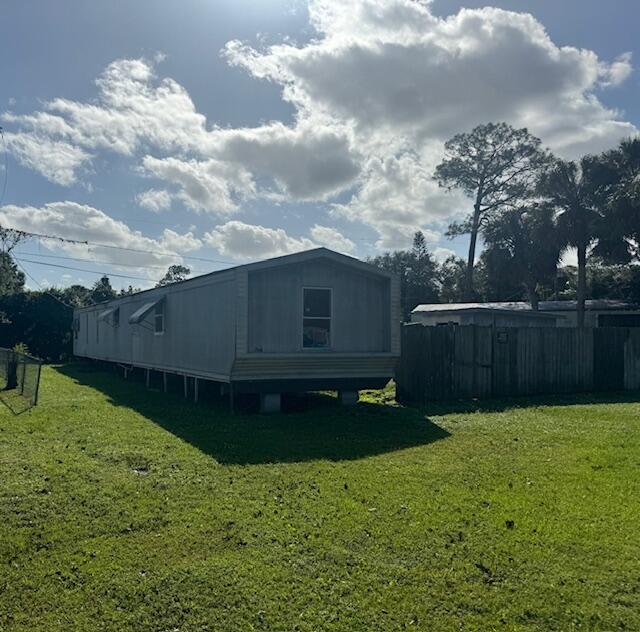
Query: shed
x,y
597,313
485,314
315,320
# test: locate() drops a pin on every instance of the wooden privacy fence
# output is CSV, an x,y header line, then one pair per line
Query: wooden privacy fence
x,y
457,362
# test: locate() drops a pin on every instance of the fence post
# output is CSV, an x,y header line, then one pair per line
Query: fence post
x,y
494,360
35,396
12,370
474,352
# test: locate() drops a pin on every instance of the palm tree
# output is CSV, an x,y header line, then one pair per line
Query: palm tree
x,y
619,175
529,238
573,191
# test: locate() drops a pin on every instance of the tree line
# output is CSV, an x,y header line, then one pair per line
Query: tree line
x,y
40,320
529,207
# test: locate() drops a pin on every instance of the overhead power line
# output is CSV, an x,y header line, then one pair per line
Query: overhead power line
x,y
85,260
52,295
57,265
80,242
40,286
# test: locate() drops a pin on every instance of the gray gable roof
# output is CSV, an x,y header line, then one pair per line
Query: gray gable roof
x,y
297,257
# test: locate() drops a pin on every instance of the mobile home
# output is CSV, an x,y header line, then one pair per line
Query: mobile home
x,y
315,320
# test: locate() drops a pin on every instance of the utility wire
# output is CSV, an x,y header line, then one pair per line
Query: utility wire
x,y
71,307
43,290
149,252
57,265
139,250
109,263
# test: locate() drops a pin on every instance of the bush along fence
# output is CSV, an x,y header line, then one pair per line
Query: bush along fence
x,y
453,362
20,374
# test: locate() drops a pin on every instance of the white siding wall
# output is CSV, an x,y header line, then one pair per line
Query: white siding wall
x,y
361,308
199,332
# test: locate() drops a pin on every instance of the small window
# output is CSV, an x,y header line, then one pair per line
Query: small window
x,y
316,322
116,317
158,318
76,328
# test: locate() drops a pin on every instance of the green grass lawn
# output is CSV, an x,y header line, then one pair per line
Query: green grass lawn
x,y
123,509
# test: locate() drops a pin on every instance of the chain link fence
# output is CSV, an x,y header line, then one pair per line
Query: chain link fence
x,y
19,379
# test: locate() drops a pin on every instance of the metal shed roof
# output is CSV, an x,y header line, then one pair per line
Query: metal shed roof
x,y
490,308
544,307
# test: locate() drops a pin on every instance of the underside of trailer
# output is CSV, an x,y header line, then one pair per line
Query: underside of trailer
x,y
269,389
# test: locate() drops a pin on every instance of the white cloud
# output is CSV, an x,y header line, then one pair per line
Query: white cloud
x,y
307,162
57,161
176,242
246,241
398,197
137,111
617,72
399,68
154,200
403,81
206,186
442,254
569,257
332,238
85,223
133,109
377,90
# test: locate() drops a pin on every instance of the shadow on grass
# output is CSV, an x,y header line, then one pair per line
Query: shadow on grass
x,y
470,406
315,426
15,402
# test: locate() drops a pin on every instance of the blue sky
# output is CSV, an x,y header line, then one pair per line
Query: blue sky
x,y
235,130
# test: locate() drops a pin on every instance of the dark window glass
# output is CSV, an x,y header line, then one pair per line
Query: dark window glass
x,y
116,317
316,333
159,318
317,303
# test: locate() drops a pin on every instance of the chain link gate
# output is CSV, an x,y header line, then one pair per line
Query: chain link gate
x,y
19,378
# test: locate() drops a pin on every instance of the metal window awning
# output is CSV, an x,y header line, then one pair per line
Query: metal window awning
x,y
107,312
139,315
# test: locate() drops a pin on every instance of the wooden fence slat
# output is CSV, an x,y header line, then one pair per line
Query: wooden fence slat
x,y
632,360
448,362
